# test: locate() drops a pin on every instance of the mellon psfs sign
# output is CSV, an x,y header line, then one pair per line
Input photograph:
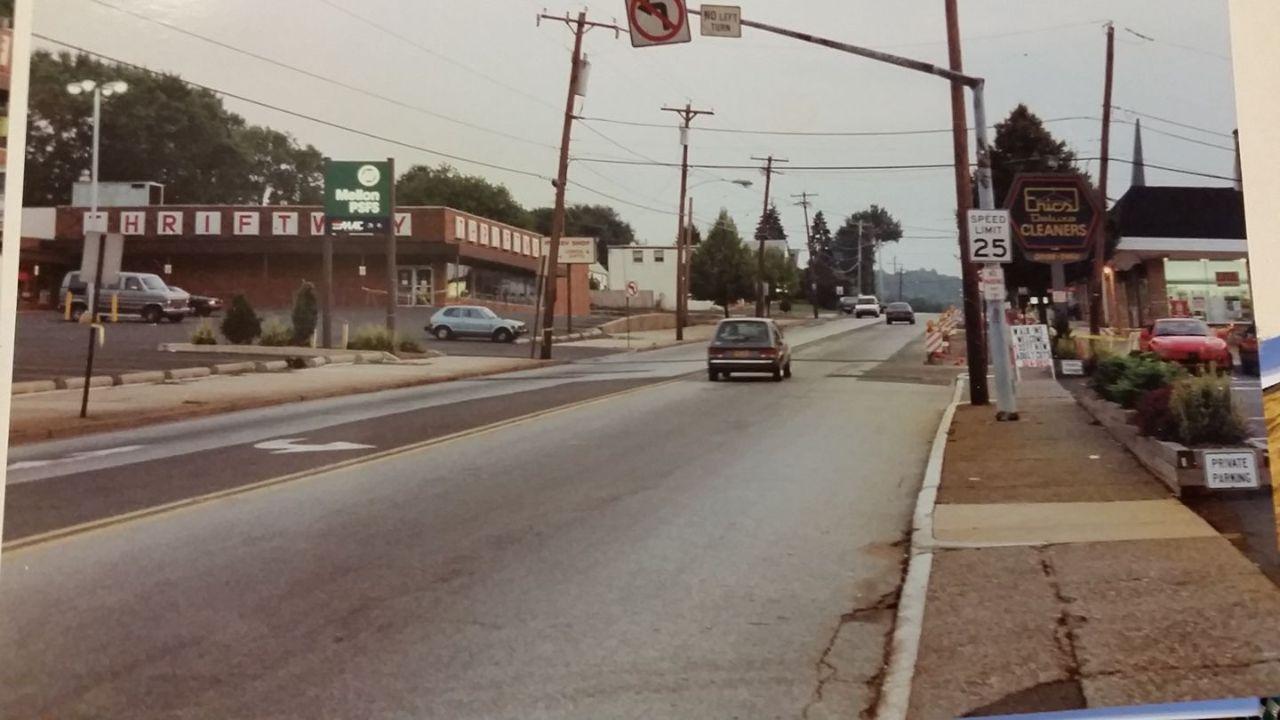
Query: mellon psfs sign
x,y
1053,216
357,196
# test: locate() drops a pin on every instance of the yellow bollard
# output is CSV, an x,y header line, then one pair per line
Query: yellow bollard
x,y
115,307
346,334
67,309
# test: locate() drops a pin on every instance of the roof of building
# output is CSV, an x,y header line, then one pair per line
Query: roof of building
x,y
1180,212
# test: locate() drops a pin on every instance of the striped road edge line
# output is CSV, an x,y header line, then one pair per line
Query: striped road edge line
x,y
103,523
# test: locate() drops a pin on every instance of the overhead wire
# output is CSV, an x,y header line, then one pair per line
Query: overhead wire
x,y
317,76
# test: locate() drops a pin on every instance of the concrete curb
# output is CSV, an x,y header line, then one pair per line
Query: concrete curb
x,y
77,383
271,366
190,373
33,386
233,368
93,427
904,647
141,378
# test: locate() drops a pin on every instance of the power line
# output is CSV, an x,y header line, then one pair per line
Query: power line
x,y
806,133
317,76
295,113
1150,39
441,56
1157,118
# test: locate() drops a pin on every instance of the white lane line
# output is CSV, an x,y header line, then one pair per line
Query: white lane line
x,y
284,446
82,455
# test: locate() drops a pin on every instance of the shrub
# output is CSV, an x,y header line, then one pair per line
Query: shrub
x,y
1107,370
1125,379
372,337
241,325
276,334
1065,349
1062,327
305,313
785,305
410,345
1205,411
1155,416
204,335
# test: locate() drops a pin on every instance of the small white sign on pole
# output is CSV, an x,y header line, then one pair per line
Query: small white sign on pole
x,y
721,21
112,256
990,239
1231,470
992,280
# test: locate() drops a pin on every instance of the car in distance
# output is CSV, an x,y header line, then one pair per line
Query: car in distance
x,y
899,312
1189,341
748,345
202,305
866,305
846,304
142,295
474,321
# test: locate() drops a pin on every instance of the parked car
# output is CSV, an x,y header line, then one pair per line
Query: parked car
x,y
201,305
847,302
142,295
748,345
867,305
474,321
1186,340
899,312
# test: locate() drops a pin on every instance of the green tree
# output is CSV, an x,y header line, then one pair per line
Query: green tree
x,y
162,130
876,224
779,272
721,268
305,313
819,272
770,225
599,221
241,325
445,185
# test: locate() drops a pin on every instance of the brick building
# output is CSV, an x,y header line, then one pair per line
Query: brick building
x,y
443,256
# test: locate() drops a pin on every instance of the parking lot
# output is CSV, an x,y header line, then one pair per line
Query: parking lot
x,y
48,347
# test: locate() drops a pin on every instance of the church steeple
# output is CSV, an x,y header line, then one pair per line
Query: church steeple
x,y
1139,178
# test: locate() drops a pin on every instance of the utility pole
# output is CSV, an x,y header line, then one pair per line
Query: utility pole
x,y
973,335
808,239
761,302
900,277
1100,241
687,114
577,75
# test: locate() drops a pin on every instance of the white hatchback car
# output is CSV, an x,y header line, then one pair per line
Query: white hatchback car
x,y
867,305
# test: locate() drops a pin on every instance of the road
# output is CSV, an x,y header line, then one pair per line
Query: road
x,y
676,548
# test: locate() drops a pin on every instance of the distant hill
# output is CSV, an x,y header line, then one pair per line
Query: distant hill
x,y
926,290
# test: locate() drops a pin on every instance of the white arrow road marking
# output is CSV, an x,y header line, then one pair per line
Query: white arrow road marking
x,y
83,455
290,445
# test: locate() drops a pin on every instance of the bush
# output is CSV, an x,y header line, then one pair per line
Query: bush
x,y
1125,379
1155,416
1065,349
204,335
305,314
1205,411
276,334
241,325
372,337
785,305
410,345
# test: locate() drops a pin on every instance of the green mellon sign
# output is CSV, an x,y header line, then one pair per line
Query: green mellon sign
x,y
357,197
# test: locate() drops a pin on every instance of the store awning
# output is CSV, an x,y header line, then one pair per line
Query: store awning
x,y
1131,251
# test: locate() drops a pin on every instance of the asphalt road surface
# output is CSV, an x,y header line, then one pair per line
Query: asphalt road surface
x,y
674,548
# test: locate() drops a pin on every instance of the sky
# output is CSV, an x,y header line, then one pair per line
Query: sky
x,y
483,81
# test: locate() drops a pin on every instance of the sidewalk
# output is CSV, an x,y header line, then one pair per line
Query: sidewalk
x,y
48,415
1063,576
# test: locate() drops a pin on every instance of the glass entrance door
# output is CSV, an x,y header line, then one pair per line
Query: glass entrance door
x,y
413,287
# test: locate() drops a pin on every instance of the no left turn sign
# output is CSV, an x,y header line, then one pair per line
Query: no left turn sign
x,y
658,22
633,289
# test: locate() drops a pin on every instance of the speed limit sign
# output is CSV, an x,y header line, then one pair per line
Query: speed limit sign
x,y
989,237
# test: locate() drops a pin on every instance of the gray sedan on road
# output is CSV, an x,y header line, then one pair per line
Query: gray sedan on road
x,y
474,321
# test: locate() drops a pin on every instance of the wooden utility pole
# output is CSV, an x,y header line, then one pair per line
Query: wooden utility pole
x,y
761,301
808,239
687,114
1100,238
579,27
973,320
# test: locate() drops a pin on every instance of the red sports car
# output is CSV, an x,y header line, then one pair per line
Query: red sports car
x,y
1186,340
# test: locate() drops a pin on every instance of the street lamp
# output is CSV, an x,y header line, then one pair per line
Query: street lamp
x,y
115,87
743,183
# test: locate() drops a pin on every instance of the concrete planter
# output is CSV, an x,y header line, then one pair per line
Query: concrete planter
x,y
1179,467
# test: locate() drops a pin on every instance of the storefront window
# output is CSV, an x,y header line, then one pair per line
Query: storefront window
x,y
466,281
1216,291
